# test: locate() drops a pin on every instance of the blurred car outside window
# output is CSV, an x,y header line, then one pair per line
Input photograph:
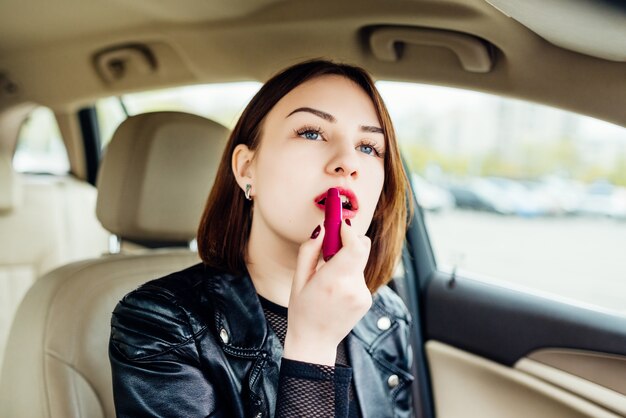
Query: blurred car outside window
x,y
517,193
221,102
40,148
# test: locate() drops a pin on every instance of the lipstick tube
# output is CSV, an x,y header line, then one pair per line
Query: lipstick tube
x,y
332,224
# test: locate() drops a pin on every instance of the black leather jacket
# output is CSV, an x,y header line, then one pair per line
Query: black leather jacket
x,y
196,344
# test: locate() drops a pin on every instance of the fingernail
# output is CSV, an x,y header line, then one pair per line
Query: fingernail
x,y
316,232
348,222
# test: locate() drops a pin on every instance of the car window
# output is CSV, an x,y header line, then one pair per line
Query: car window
x,y
521,192
40,148
219,102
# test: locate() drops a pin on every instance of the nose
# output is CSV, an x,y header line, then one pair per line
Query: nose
x,y
345,162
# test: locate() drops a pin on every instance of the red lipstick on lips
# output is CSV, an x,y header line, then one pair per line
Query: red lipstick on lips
x,y
332,224
347,212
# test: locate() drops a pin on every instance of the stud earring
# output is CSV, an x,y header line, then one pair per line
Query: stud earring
x,y
248,189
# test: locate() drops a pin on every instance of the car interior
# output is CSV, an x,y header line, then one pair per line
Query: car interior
x,y
126,209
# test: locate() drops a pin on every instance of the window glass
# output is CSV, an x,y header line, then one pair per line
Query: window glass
x,y
222,103
40,148
517,192
110,113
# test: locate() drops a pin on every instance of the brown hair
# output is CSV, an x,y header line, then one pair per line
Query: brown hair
x,y
225,225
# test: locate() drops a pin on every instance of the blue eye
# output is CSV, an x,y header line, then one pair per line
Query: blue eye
x,y
370,149
311,135
367,149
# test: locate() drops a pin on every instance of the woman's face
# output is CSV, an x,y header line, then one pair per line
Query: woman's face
x,y
324,133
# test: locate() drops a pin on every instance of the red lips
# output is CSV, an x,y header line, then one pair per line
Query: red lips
x,y
345,213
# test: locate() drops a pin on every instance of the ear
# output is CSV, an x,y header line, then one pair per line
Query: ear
x,y
242,166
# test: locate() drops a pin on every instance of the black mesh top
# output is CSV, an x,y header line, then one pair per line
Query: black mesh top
x,y
311,390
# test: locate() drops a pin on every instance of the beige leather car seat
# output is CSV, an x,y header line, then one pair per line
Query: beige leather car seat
x,y
46,221
153,182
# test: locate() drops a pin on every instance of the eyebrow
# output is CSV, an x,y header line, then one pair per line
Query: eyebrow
x,y
330,118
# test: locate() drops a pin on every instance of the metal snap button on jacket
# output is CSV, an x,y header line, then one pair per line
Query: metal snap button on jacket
x,y
224,336
393,381
383,323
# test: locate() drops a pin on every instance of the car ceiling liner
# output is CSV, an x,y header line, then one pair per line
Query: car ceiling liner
x,y
583,26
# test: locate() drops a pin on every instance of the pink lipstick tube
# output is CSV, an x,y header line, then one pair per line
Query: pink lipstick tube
x,y
332,224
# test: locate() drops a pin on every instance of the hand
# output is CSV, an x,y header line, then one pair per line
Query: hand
x,y
326,302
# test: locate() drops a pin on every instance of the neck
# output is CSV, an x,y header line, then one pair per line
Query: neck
x,y
271,262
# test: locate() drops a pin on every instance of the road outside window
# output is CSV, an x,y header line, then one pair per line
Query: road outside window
x,y
517,192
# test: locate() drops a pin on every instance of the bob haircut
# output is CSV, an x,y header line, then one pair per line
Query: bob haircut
x,y
227,219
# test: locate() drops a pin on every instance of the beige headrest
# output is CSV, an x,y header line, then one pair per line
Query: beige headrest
x,y
156,175
9,185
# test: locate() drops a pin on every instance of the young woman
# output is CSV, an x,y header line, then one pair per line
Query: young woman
x,y
264,326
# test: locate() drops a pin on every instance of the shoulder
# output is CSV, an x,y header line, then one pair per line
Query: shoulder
x,y
394,346
161,314
388,302
386,326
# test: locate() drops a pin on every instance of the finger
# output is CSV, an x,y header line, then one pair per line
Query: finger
x,y
308,257
349,237
355,249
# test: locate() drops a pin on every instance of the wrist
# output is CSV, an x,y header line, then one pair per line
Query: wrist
x,y
309,352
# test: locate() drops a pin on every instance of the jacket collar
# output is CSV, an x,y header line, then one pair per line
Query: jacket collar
x,y
238,311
